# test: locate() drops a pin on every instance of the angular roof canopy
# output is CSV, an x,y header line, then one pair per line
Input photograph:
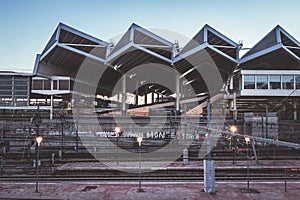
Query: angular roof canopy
x,y
68,48
208,47
277,50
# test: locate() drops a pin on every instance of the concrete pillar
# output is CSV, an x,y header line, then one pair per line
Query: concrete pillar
x,y
177,93
124,96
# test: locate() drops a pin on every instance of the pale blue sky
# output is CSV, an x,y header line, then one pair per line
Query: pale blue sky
x,y
26,25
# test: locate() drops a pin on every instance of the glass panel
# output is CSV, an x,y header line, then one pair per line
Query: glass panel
x,y
297,82
261,82
63,85
47,85
20,87
54,84
20,92
288,82
17,82
37,84
249,82
275,82
5,82
5,87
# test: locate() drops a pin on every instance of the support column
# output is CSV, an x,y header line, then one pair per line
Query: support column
x,y
295,109
152,97
145,97
208,164
137,94
124,96
177,93
234,107
51,107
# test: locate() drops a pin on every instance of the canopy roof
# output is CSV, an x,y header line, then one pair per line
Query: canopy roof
x,y
209,49
277,50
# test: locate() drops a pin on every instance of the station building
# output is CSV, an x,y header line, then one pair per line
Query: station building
x,y
265,79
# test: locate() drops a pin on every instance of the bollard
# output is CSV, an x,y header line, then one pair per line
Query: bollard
x,y
34,162
185,156
209,176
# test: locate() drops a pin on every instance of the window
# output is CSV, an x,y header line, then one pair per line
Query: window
x,y
249,82
54,84
47,85
297,78
37,84
275,82
63,84
261,82
287,82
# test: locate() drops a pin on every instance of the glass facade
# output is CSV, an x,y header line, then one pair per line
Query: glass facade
x,y
297,79
261,82
14,90
64,84
287,82
249,82
275,82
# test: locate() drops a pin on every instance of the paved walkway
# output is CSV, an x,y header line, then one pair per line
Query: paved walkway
x,y
153,191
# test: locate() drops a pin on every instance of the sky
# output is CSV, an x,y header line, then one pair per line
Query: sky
x,y
27,25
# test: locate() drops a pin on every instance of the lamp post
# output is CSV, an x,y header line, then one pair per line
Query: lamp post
x,y
118,131
139,140
247,139
38,140
233,129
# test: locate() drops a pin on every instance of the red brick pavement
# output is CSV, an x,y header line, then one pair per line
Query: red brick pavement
x,y
161,191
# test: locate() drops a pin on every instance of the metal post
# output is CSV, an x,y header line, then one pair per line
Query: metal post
x,y
267,123
37,168
62,132
77,137
295,109
117,148
177,92
247,167
285,186
140,181
234,107
208,131
51,107
124,95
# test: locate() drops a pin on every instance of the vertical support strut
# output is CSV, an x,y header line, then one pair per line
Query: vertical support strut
x,y
177,93
124,95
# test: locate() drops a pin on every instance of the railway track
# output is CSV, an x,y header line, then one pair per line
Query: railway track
x,y
193,175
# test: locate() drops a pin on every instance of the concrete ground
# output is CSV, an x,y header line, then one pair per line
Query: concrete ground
x,y
153,191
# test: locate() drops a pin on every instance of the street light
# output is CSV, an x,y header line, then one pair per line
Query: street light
x,y
233,129
247,139
118,132
139,140
38,140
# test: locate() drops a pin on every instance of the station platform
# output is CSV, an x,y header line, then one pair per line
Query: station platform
x,y
153,191
73,190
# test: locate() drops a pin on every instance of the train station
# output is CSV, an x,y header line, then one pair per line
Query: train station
x,y
143,116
